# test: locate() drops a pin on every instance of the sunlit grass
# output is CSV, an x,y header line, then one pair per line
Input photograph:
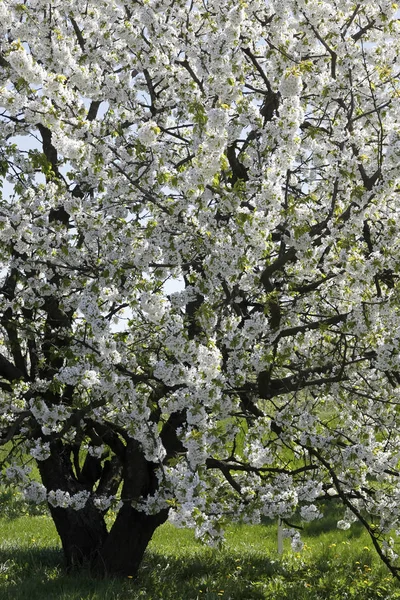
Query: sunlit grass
x,y
334,565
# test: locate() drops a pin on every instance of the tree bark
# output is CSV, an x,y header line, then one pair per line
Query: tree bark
x,y
132,530
83,533
127,541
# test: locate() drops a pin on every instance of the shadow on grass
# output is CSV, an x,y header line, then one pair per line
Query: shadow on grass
x,y
210,575
31,557
37,574
332,513
328,524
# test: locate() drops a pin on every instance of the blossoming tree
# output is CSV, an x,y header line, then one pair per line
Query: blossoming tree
x,y
200,248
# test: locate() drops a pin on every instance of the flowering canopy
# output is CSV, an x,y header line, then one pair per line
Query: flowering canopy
x,y
200,252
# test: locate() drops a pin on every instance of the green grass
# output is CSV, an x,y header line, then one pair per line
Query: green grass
x,y
334,565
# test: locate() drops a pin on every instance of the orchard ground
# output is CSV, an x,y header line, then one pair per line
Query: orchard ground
x,y
334,565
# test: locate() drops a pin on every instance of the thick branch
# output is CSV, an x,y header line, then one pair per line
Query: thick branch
x,y
292,331
78,33
9,371
277,265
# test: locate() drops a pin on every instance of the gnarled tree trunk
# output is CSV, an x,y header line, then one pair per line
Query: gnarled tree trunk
x,y
83,533
132,530
127,541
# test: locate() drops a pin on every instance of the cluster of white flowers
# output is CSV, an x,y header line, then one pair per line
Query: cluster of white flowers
x,y
196,447
96,451
296,542
35,492
217,119
171,374
147,133
152,446
295,539
153,504
103,503
290,85
109,351
67,146
209,360
50,418
154,306
259,454
90,378
310,512
309,491
209,531
23,64
387,549
40,449
59,498
17,474
70,375
74,374
254,165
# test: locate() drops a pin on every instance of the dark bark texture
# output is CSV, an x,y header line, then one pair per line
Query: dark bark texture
x,y
83,533
127,541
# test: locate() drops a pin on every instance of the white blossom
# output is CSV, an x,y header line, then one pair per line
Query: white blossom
x,y
40,449
61,499
35,492
103,502
310,512
200,257
147,133
290,85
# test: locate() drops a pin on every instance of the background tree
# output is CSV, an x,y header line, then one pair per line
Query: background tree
x,y
249,154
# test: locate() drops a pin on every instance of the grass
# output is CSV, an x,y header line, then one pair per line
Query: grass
x,y
334,565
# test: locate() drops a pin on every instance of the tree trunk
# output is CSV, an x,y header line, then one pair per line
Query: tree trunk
x,y
127,541
132,530
82,532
